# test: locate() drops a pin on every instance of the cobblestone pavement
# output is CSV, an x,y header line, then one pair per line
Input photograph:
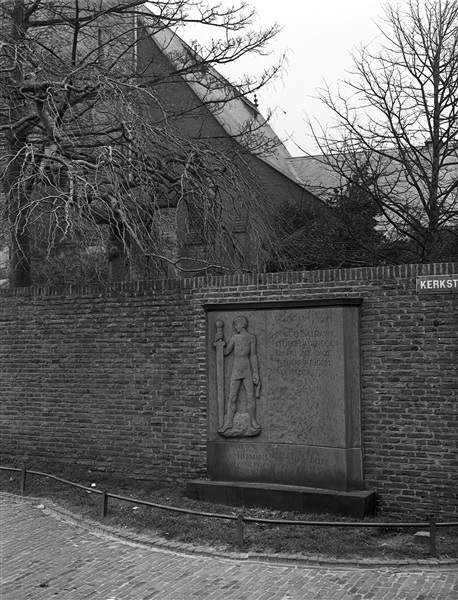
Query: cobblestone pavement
x,y
45,557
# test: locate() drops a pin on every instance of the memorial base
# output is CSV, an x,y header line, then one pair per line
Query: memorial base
x,y
356,504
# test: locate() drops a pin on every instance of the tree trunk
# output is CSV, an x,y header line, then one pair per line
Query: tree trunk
x,y
19,272
19,269
118,260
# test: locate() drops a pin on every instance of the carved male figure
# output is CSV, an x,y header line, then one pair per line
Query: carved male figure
x,y
245,371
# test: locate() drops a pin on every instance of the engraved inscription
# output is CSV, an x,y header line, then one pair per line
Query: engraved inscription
x,y
306,344
256,461
305,354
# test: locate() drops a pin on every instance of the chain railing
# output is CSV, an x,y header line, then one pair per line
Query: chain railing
x,y
240,520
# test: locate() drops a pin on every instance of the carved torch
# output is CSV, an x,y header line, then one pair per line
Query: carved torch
x,y
219,344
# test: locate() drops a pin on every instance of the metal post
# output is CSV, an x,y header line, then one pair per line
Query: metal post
x,y
104,508
432,536
240,531
23,478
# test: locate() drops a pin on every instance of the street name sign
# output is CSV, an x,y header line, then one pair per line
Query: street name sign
x,y
437,284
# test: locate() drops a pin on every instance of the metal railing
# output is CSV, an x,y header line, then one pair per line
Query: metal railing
x,y
432,524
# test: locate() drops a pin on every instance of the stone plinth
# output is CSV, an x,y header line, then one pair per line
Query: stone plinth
x,y
356,504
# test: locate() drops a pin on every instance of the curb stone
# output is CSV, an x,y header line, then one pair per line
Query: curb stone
x,y
161,544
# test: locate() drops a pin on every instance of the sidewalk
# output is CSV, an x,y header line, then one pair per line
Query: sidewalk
x,y
47,553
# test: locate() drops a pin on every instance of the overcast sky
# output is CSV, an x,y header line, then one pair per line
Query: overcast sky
x,y
318,36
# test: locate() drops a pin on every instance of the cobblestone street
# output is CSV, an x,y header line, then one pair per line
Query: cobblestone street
x,y
44,557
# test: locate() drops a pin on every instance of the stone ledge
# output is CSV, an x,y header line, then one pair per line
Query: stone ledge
x,y
356,504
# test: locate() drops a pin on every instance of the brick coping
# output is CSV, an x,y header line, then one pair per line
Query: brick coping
x,y
160,544
243,279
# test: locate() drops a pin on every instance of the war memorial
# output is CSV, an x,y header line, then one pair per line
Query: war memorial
x,y
284,407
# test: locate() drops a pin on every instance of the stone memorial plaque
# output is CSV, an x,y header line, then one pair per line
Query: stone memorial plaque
x,y
284,394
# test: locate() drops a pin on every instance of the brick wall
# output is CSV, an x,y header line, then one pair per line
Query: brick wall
x,y
116,378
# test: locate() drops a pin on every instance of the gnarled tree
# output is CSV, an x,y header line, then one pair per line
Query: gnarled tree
x,y
93,164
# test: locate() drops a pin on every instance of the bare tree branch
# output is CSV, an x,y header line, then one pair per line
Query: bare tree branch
x,y
400,118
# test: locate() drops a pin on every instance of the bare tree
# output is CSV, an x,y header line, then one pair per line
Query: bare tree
x,y
92,161
396,129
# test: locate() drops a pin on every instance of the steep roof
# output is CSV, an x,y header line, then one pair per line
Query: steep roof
x,y
318,175
239,117
314,172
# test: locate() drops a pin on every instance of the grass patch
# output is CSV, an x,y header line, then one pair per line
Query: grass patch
x,y
337,542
